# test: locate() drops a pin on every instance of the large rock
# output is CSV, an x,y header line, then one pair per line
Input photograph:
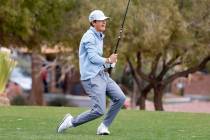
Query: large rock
x,y
4,101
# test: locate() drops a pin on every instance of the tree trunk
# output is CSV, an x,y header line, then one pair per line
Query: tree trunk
x,y
37,86
134,95
143,97
158,94
142,101
52,80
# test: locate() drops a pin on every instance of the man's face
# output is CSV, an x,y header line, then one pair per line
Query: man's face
x,y
100,25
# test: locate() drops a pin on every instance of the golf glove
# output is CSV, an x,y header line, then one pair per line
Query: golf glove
x,y
113,65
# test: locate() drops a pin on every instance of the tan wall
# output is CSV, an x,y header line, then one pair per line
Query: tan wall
x,y
196,84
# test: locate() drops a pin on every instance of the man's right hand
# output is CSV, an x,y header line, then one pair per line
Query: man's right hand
x,y
113,58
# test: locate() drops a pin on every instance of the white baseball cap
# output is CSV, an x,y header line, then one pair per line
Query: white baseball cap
x,y
97,15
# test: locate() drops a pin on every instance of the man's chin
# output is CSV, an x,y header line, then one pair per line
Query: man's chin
x,y
103,29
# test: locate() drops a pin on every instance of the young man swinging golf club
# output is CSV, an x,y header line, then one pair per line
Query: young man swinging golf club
x,y
95,79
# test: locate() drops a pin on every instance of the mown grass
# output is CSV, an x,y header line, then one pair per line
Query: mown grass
x,y
39,123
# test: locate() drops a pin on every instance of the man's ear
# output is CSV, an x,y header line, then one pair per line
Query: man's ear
x,y
94,22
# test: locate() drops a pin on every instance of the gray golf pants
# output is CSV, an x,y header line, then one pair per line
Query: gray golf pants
x,y
98,88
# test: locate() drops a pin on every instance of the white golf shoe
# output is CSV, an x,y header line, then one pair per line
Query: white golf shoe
x,y
102,130
65,124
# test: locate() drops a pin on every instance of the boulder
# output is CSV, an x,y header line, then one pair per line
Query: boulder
x,y
4,101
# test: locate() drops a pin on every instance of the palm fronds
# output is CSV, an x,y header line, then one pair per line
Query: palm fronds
x,y
6,66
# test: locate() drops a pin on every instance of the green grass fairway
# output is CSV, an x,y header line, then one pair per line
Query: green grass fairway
x,y
39,123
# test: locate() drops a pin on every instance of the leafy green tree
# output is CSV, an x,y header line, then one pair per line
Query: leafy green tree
x,y
167,35
32,23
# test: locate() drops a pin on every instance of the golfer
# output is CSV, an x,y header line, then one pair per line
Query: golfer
x,y
95,78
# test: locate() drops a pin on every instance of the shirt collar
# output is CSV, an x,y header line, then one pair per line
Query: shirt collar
x,y
98,34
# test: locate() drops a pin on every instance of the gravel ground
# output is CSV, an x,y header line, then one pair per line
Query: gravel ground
x,y
194,106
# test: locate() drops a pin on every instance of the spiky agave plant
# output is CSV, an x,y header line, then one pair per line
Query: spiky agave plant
x,y
6,66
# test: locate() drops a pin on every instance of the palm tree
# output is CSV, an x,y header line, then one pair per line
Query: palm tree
x,y
6,66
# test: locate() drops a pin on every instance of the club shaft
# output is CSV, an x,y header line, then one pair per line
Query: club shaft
x,y
121,28
120,34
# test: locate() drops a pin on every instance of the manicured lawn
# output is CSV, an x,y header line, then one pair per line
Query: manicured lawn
x,y
39,123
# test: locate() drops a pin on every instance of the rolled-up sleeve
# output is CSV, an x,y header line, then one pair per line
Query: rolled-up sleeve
x,y
90,46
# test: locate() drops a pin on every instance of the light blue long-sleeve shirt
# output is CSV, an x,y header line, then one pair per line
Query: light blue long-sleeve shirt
x,y
91,60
